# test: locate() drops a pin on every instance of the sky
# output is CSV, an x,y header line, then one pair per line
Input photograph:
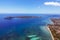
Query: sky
x,y
29,6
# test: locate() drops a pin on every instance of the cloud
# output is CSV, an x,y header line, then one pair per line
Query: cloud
x,y
52,3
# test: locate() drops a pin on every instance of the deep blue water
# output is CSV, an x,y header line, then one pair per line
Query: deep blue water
x,y
19,25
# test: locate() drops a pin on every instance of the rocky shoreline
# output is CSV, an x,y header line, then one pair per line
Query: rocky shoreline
x,y
55,28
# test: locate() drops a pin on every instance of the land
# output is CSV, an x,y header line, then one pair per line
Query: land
x,y
11,17
55,28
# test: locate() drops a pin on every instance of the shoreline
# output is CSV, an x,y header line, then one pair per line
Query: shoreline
x,y
50,33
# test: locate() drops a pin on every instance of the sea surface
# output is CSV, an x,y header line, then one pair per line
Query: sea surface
x,y
24,28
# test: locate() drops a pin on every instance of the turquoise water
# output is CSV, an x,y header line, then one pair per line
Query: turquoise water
x,y
21,28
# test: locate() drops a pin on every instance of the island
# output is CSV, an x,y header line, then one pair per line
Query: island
x,y
55,28
11,17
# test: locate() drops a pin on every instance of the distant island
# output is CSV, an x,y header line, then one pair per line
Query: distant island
x,y
11,17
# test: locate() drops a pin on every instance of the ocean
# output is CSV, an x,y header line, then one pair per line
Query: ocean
x,y
25,28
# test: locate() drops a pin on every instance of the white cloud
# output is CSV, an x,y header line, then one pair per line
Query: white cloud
x,y
52,3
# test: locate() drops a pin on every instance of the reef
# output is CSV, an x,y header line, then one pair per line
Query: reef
x,y
55,28
30,34
11,17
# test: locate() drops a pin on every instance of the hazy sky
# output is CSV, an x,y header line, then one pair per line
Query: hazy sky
x,y
29,6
